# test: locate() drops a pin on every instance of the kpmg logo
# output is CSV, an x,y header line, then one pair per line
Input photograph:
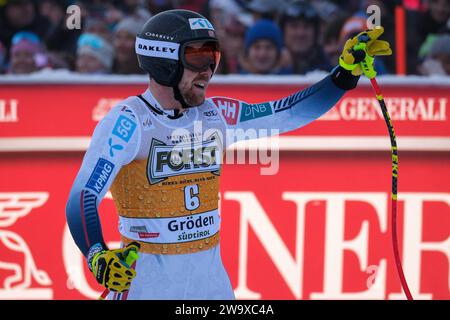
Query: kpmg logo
x,y
200,23
124,128
100,175
254,111
172,160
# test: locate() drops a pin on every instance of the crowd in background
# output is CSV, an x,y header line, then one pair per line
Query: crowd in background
x,y
256,36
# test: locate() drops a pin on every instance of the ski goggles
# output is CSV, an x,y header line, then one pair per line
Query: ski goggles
x,y
199,56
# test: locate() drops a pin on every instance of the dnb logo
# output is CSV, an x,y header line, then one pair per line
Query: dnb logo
x,y
19,274
229,109
166,161
254,111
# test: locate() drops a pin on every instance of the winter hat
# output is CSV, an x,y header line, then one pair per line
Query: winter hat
x,y
26,41
264,29
94,45
353,26
441,45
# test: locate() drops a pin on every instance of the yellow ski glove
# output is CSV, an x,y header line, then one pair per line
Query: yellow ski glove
x,y
112,268
359,52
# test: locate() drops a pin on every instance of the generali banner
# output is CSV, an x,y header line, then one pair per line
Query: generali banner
x,y
55,110
320,228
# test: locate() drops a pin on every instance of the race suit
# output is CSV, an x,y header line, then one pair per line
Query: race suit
x,y
163,173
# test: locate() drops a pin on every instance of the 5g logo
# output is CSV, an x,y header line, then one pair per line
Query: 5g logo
x,y
191,199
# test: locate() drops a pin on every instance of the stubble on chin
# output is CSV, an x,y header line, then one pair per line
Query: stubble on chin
x,y
192,98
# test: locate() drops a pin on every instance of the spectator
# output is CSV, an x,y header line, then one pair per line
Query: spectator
x,y
94,55
326,9
99,27
300,24
21,15
194,5
422,28
60,41
263,50
232,45
349,6
157,6
125,61
2,58
128,8
332,45
27,54
436,19
438,59
265,9
219,11
53,10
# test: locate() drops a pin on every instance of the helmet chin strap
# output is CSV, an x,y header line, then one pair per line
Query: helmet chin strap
x,y
177,95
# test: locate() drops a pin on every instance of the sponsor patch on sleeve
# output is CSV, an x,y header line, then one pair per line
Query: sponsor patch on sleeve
x,y
229,109
100,175
124,128
254,111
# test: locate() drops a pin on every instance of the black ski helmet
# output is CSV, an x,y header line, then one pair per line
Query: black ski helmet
x,y
160,45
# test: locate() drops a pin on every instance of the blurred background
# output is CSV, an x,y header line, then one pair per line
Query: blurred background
x,y
301,36
320,226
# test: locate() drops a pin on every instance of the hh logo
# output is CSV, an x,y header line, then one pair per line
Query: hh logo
x,y
229,109
199,23
253,111
17,276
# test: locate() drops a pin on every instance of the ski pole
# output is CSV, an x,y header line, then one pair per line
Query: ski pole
x,y
370,73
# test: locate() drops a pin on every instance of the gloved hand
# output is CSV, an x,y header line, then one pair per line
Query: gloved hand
x,y
359,52
112,268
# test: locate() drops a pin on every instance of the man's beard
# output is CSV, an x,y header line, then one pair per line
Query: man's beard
x,y
191,97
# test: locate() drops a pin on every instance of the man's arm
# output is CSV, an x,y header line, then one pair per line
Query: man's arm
x,y
114,144
289,113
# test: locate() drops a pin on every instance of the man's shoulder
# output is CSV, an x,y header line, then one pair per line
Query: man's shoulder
x,y
129,106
